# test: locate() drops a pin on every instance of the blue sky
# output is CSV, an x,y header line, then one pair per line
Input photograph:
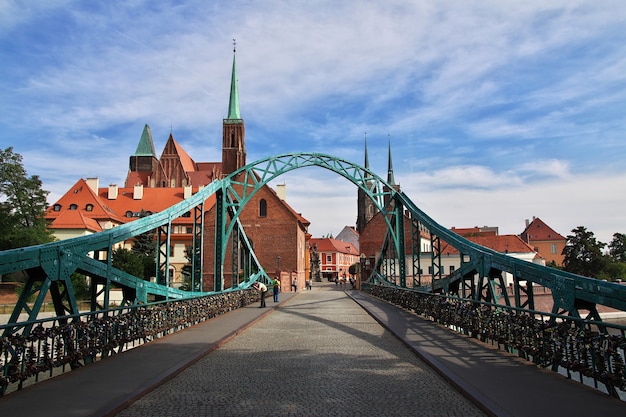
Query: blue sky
x,y
497,111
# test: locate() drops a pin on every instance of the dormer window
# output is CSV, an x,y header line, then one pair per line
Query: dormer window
x,y
89,207
57,207
129,213
73,207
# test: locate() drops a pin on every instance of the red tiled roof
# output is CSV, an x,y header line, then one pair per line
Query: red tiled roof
x,y
329,244
537,230
500,243
74,219
188,164
80,196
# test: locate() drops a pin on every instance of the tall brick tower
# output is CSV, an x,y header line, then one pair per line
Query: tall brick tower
x,y
233,131
365,207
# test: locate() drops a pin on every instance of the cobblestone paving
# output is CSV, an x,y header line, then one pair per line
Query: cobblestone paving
x,y
318,355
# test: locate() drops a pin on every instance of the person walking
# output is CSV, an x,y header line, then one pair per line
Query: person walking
x,y
263,289
308,284
276,288
294,284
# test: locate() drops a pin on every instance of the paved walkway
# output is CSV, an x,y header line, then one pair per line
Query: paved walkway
x,y
318,353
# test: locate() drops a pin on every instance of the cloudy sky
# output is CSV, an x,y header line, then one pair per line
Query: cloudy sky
x,y
496,111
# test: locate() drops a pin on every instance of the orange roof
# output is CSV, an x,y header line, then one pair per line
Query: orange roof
x,y
81,208
81,197
537,230
188,164
74,219
329,244
501,243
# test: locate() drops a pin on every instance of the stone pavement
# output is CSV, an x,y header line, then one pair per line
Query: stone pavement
x,y
317,353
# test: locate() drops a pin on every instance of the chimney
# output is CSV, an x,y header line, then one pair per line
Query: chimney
x,y
281,191
93,184
187,191
138,192
112,191
527,223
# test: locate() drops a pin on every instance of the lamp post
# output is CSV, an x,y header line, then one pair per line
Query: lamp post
x,y
362,260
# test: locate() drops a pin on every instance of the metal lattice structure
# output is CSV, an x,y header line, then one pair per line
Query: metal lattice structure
x,y
48,267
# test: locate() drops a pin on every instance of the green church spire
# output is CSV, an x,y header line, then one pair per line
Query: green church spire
x,y
233,104
146,144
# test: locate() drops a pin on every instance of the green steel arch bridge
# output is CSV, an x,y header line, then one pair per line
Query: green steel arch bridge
x,y
480,278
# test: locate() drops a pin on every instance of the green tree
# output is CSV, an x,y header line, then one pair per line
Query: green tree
x,y
617,247
145,247
128,262
583,253
22,205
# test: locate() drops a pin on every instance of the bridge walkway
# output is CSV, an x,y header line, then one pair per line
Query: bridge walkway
x,y
317,353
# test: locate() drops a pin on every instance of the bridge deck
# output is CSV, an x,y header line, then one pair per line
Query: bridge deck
x,y
333,341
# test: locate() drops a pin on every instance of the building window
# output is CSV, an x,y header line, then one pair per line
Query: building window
x,y
73,207
89,207
57,207
329,259
262,208
553,248
187,214
451,268
189,230
129,214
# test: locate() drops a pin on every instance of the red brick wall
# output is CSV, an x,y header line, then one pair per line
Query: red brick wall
x,y
274,235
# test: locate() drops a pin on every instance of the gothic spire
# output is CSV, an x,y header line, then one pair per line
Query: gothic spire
x,y
233,104
367,161
390,178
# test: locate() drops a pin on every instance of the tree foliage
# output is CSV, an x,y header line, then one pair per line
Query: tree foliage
x,y
583,253
145,247
617,247
22,205
128,262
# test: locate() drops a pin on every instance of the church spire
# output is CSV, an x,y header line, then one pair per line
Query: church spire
x,y
367,161
233,104
390,178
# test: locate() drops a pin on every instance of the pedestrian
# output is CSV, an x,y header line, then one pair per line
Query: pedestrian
x,y
263,288
294,284
276,288
352,282
308,284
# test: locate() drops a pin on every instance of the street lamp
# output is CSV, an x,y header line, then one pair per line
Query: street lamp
x,y
363,260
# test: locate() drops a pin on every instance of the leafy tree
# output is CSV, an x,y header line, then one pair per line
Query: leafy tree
x,y
128,262
145,247
583,254
22,205
617,247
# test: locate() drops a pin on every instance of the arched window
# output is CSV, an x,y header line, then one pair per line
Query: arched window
x,y
263,208
57,207
73,207
89,207
129,213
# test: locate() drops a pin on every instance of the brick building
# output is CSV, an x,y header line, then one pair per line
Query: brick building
x,y
152,184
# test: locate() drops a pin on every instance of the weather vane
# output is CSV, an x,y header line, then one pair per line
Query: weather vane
x,y
234,45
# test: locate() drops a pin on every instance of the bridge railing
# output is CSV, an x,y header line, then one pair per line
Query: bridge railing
x,y
573,347
55,346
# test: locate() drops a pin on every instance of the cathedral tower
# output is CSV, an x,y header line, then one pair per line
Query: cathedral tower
x,y
233,131
365,206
